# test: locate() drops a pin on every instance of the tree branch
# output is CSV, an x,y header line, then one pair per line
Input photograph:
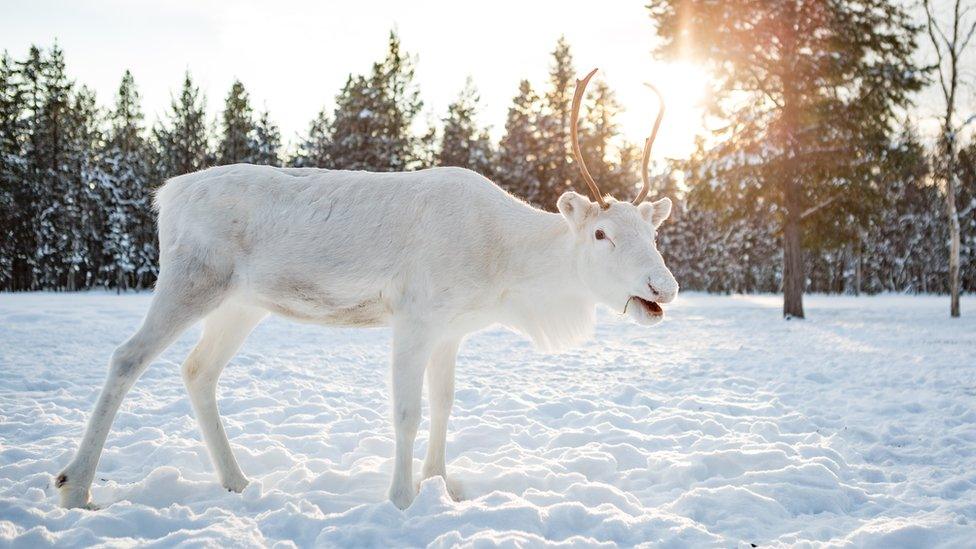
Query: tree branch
x,y
814,209
932,27
969,36
762,83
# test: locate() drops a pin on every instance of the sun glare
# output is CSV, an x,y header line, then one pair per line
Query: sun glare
x,y
683,86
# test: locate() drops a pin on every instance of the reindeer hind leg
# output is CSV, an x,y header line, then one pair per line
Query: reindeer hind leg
x,y
224,331
179,301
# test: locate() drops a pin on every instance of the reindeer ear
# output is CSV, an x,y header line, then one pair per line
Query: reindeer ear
x,y
655,212
576,208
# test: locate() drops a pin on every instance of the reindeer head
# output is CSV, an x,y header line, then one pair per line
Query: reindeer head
x,y
618,257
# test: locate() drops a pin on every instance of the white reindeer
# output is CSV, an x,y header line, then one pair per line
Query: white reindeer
x,y
435,254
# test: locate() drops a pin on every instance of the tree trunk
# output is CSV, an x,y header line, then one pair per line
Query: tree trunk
x,y
950,50
953,244
793,275
952,215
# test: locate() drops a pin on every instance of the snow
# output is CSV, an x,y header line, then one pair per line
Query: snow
x,y
724,426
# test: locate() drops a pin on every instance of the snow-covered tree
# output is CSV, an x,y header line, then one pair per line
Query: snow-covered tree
x,y
183,140
462,142
613,163
966,203
22,137
810,91
519,167
714,243
238,139
897,249
313,148
951,35
49,160
83,180
12,175
370,128
558,173
128,245
267,141
535,157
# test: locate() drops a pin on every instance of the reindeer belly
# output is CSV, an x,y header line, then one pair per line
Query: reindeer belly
x,y
299,299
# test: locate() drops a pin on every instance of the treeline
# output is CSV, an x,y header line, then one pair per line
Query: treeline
x,y
76,179
730,241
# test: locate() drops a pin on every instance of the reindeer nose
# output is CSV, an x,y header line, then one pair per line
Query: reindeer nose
x,y
663,295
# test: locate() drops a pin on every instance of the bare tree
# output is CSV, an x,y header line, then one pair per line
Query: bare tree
x,y
949,50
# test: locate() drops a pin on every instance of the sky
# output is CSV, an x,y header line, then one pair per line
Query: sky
x,y
294,56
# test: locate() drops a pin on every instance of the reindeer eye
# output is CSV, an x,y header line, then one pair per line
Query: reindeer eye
x,y
600,235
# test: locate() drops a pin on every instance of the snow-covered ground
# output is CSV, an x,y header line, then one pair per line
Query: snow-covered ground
x,y
724,426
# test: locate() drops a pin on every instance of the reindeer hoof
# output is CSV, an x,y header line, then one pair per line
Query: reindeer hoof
x,y
236,485
402,497
454,489
71,496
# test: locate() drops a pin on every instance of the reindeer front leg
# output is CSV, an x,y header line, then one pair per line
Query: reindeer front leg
x,y
411,351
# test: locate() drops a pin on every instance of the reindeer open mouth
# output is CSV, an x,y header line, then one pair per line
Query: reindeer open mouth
x,y
651,308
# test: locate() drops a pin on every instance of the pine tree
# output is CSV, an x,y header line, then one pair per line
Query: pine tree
x,y
128,246
613,163
28,110
557,173
183,141
12,174
49,159
400,104
966,201
313,148
238,141
898,251
713,244
357,137
267,142
427,143
83,182
462,143
371,126
519,166
817,86
718,245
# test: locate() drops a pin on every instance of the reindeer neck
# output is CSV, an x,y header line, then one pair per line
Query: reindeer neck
x,y
543,291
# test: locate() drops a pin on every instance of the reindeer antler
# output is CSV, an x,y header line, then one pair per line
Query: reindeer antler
x,y
594,189
577,99
647,148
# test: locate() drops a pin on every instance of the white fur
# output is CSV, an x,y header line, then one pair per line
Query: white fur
x,y
435,254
